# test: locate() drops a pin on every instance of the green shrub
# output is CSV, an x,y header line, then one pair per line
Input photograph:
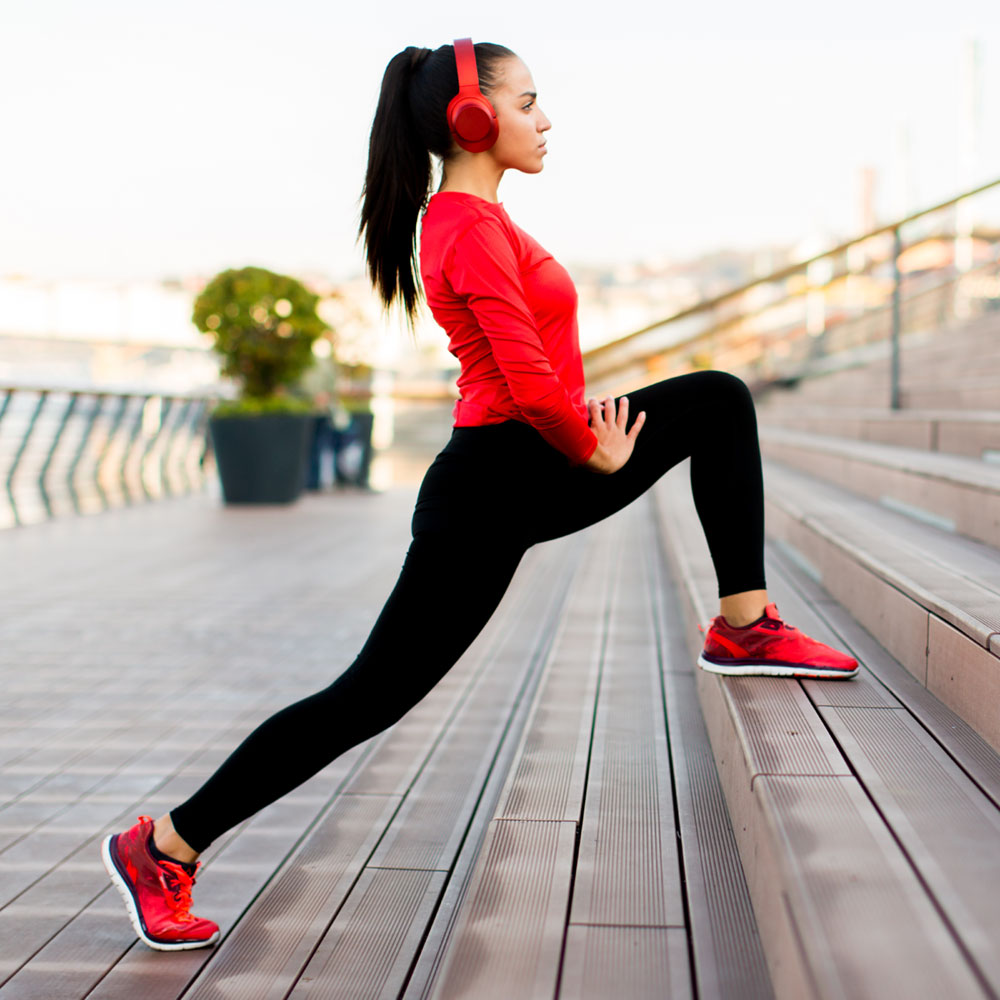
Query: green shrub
x,y
255,406
263,325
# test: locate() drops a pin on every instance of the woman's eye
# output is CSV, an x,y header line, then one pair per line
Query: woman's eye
x,y
527,107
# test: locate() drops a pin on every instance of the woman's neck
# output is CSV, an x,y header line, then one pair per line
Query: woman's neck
x,y
472,175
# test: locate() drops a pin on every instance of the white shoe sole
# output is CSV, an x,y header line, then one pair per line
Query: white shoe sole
x,y
133,914
770,670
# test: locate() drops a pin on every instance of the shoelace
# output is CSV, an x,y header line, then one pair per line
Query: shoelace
x,y
774,624
178,884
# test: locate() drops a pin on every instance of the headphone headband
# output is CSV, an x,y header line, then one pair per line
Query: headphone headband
x,y
471,118
465,59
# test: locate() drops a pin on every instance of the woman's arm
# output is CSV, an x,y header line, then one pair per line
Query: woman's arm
x,y
484,270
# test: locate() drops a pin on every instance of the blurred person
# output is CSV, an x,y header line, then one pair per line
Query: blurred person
x,y
356,451
529,459
318,383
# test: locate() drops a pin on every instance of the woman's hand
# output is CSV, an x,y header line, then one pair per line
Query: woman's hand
x,y
614,446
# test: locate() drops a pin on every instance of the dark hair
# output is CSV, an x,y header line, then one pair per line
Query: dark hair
x,y
410,124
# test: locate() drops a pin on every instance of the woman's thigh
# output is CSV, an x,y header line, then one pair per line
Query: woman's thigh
x,y
683,414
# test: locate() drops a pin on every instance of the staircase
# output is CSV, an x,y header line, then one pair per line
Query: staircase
x,y
867,813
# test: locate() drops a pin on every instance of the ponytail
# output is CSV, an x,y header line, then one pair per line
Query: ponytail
x,y
410,124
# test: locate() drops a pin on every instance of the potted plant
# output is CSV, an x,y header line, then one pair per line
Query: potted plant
x,y
264,326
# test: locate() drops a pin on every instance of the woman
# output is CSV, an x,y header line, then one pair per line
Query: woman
x,y
527,461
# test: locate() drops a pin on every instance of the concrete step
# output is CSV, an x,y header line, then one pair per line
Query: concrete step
x,y
954,492
865,811
974,433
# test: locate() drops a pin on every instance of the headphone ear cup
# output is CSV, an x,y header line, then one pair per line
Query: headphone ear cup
x,y
473,122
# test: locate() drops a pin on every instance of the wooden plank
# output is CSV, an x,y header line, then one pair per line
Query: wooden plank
x,y
641,963
547,781
563,555
966,678
729,960
862,925
509,940
948,828
508,934
962,492
369,947
726,951
627,870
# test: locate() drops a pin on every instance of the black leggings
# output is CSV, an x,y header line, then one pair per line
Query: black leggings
x,y
493,492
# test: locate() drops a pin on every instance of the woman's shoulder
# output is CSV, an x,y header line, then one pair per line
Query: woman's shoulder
x,y
452,215
454,212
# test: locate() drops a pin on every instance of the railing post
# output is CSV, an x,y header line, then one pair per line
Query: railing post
x,y
6,402
127,454
116,421
43,396
177,429
43,473
95,411
897,249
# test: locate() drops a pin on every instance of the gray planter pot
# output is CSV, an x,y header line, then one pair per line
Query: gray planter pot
x,y
261,459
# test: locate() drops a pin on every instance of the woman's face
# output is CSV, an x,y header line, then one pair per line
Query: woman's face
x,y
521,143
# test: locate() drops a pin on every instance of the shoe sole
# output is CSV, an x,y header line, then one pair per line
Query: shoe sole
x,y
772,670
133,911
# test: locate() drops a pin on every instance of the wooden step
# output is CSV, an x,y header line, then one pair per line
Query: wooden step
x,y
932,598
865,838
971,392
963,360
957,493
585,824
974,433
960,392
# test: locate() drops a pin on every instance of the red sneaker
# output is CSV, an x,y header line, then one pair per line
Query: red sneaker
x,y
157,894
770,647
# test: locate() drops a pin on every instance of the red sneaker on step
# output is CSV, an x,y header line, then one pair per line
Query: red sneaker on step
x,y
770,647
157,894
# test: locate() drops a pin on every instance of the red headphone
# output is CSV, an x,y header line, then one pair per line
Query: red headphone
x,y
471,117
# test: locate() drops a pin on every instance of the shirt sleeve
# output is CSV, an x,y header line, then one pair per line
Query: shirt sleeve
x,y
485,272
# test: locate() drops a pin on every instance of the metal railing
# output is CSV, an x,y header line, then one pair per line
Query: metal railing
x,y
919,273
80,450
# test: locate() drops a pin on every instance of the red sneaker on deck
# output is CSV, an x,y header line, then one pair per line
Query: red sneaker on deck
x,y
770,647
157,894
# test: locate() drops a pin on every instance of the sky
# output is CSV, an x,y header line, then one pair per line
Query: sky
x,y
153,140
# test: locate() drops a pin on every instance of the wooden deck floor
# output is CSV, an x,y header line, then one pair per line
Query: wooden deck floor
x,y
528,830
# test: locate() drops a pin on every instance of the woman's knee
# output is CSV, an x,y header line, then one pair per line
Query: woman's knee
x,y
728,389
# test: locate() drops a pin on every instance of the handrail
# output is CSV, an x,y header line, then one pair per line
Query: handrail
x,y
79,450
623,355
706,305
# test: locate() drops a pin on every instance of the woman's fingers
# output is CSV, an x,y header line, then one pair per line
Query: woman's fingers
x,y
637,426
622,412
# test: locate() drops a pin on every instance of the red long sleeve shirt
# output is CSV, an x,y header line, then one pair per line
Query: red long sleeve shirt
x,y
509,310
